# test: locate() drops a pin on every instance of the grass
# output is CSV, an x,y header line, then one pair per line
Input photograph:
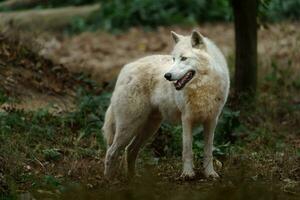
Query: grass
x,y
49,153
30,140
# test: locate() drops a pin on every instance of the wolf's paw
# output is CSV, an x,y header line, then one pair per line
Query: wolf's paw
x,y
188,175
211,174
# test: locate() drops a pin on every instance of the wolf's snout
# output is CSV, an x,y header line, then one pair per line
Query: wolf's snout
x,y
168,76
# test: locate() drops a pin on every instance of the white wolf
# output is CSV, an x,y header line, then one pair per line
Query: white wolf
x,y
195,92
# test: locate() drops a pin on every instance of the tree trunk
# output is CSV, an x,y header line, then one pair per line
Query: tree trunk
x,y
245,24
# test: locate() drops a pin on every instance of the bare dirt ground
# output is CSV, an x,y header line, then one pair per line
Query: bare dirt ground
x,y
32,81
102,55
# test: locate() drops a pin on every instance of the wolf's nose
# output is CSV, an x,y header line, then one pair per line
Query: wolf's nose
x,y
168,76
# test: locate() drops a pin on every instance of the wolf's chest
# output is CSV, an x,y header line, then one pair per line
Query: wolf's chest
x,y
205,101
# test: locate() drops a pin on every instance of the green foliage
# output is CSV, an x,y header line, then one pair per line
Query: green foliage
x,y
227,125
3,97
90,114
58,3
118,14
41,124
52,181
225,132
298,152
37,125
170,139
48,4
40,136
77,25
52,154
274,10
11,121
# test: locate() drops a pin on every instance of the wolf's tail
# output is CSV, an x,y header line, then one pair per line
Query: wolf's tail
x,y
109,126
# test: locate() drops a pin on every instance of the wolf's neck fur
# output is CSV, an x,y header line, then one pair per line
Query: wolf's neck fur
x,y
208,90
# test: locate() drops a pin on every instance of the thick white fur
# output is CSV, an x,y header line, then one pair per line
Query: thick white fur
x,y
143,98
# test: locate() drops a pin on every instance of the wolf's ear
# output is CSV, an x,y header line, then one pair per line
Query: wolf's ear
x,y
176,37
197,40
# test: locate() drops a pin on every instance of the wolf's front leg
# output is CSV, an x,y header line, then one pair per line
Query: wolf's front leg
x,y
187,152
209,129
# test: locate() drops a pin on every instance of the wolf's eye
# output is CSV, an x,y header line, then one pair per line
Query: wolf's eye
x,y
173,59
183,58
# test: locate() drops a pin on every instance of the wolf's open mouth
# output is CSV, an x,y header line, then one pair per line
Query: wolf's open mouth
x,y
179,84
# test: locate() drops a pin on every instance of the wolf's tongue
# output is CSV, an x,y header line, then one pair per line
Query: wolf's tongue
x,y
181,82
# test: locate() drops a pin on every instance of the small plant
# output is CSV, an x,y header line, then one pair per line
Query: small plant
x,y
228,124
77,25
168,142
3,97
52,154
51,181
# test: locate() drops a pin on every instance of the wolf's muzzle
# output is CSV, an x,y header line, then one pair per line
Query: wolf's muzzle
x,y
168,76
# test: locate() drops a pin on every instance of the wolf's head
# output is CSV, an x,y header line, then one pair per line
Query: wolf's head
x,y
189,54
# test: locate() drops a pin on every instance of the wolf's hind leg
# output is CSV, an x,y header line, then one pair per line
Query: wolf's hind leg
x,y
109,126
123,136
209,129
150,128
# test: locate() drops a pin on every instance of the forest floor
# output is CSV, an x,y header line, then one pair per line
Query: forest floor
x,y
54,90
